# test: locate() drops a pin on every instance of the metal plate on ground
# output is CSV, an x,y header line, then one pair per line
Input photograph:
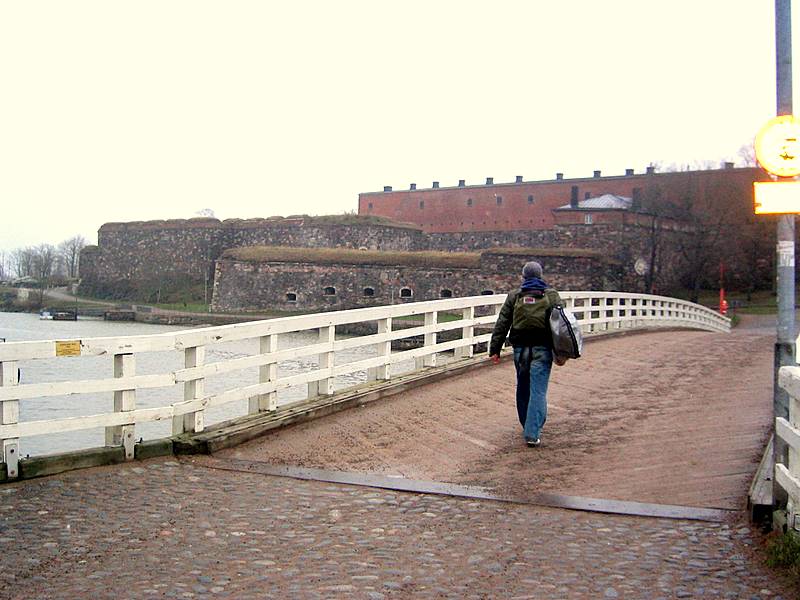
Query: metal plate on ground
x,y
619,507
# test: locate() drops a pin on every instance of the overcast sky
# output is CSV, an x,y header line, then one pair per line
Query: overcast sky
x,y
123,111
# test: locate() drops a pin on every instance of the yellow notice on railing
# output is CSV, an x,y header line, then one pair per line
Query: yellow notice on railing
x,y
68,348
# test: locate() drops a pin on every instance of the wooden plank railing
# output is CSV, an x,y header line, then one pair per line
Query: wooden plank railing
x,y
787,476
598,312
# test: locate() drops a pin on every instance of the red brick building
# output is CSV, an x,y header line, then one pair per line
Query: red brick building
x,y
530,205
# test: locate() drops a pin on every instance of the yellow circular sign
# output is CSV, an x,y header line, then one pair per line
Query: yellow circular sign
x,y
778,146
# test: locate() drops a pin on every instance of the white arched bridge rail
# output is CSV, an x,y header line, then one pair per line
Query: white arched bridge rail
x,y
446,330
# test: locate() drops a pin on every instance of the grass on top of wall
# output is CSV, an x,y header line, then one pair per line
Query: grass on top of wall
x,y
353,257
355,219
537,253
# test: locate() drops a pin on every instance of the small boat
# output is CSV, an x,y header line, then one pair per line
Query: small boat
x,y
68,314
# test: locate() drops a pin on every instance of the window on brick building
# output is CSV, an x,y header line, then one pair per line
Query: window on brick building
x,y
446,293
291,297
406,292
469,201
369,292
530,199
587,219
329,291
499,200
369,207
422,203
487,293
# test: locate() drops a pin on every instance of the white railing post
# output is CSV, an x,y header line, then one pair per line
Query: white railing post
x,y
381,372
192,422
467,333
268,344
429,360
324,387
124,401
9,414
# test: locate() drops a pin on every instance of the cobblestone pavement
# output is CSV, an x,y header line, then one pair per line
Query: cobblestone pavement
x,y
168,529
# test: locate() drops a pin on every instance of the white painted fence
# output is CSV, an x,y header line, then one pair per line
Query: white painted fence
x,y
788,476
598,313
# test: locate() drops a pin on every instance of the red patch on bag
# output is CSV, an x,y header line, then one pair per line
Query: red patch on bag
x,y
529,300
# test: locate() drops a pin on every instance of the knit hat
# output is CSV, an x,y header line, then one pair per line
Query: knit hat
x,y
532,269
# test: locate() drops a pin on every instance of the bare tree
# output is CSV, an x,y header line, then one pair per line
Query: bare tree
x,y
22,261
747,155
749,256
720,223
70,251
655,209
44,261
695,165
700,252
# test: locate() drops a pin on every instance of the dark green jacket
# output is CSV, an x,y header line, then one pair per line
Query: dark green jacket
x,y
520,337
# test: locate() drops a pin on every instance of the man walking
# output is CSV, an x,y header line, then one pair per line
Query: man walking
x,y
525,312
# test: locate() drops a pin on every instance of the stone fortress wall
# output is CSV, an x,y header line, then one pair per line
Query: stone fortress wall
x,y
138,260
261,278
133,258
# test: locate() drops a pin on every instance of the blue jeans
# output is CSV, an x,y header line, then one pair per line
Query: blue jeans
x,y
533,373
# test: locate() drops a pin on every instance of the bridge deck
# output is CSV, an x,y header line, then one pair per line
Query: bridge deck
x,y
655,418
677,417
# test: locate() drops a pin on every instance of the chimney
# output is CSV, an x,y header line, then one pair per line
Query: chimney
x,y
597,173
636,202
519,179
413,186
489,180
728,165
462,182
387,188
436,184
573,200
559,176
651,170
628,172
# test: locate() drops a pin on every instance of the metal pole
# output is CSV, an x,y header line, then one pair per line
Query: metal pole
x,y
785,343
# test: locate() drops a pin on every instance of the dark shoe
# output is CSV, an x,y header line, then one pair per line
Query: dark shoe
x,y
533,443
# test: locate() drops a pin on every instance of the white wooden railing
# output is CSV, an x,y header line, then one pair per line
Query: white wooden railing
x,y
598,313
788,475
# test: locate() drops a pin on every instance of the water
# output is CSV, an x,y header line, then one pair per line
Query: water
x,y
16,327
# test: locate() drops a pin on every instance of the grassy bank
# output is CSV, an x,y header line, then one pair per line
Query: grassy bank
x,y
759,303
